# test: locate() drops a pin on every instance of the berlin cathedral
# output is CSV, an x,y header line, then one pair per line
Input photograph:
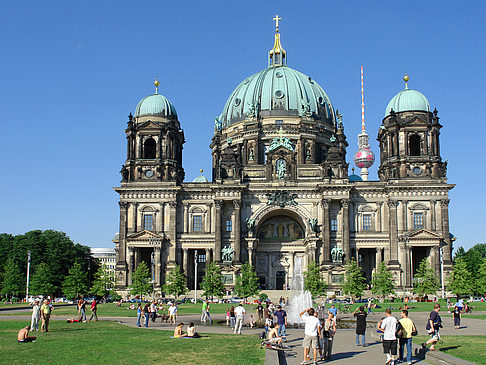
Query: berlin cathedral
x,y
280,195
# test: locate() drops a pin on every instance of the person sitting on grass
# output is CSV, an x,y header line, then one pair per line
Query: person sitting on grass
x,y
191,331
178,331
23,335
273,338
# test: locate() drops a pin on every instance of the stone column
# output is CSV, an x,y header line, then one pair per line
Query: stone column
x,y
173,233
121,259
134,212
207,228
325,233
444,215
208,255
131,264
432,216
217,232
160,221
237,237
377,258
393,234
158,265
185,261
378,216
186,218
345,232
404,216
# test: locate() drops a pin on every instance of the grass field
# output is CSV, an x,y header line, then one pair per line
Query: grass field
x,y
470,348
108,342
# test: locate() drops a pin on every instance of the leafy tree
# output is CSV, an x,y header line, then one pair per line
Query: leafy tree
x,y
354,281
474,259
41,281
461,279
383,282
481,281
54,248
103,283
246,284
425,280
141,280
12,279
314,280
175,283
75,284
212,282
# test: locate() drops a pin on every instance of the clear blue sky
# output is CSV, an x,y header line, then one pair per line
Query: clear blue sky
x,y
71,72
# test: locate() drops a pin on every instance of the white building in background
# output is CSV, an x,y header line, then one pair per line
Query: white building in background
x,y
107,257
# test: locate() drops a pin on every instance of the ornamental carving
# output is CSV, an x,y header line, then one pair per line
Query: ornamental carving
x,y
281,199
281,141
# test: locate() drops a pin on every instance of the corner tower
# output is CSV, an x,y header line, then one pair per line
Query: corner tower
x,y
409,139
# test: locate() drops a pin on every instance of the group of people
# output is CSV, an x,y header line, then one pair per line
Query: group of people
x,y
150,311
191,331
81,306
41,311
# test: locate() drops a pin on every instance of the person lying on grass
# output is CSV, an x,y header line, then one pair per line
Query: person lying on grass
x,y
23,335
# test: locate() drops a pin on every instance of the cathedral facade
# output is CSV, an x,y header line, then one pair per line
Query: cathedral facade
x,y
280,195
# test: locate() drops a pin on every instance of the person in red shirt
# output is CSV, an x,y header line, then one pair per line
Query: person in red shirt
x,y
94,308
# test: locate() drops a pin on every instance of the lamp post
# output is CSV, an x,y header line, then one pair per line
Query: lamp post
x,y
152,261
195,276
28,277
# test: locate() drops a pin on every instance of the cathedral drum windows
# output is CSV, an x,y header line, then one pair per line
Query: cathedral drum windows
x,y
414,145
149,149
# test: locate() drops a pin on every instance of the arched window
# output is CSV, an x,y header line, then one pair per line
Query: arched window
x,y
414,145
149,148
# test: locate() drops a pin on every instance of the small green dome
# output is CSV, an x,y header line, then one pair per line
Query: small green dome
x,y
155,104
354,178
200,179
278,91
408,100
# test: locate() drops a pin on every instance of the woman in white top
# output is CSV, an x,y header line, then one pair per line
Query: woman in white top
x,y
34,326
328,333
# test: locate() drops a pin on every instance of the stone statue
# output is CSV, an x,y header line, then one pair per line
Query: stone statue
x,y
217,124
251,155
281,169
227,254
312,223
337,255
124,173
306,107
252,110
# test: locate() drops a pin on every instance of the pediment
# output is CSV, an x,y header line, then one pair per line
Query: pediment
x,y
423,234
280,150
143,235
149,125
415,121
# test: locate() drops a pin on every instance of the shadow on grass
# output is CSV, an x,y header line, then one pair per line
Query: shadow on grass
x,y
445,349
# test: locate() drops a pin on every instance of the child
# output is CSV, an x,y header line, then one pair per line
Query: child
x,y
252,321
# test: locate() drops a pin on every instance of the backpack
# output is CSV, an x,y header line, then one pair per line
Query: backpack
x,y
399,330
262,335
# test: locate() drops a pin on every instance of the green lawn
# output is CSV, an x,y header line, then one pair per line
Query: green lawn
x,y
111,343
470,348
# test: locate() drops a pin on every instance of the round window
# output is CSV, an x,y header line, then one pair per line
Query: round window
x,y
321,100
237,101
149,173
417,170
278,74
279,94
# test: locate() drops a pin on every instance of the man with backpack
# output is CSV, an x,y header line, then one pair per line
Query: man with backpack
x,y
434,323
390,328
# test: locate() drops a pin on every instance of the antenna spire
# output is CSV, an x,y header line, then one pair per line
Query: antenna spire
x,y
362,102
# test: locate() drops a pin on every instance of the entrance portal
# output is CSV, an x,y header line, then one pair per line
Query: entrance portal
x,y
280,280
418,254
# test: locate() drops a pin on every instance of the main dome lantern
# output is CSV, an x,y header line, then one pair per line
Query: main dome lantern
x,y
278,91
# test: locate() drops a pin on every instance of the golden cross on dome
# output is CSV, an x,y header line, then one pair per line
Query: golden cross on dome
x,y
276,21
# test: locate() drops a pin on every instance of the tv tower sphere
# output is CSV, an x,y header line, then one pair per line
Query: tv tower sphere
x,y
364,158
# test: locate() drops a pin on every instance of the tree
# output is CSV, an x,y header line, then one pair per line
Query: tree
x,y
354,281
383,282
12,279
425,280
41,281
103,283
212,282
75,284
461,282
481,281
175,283
141,280
314,280
246,284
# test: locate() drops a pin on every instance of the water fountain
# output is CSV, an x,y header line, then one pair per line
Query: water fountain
x,y
300,301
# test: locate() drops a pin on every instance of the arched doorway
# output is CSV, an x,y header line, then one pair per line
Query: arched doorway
x,y
281,243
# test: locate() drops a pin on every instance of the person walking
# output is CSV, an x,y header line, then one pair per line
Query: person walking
x,y
312,325
35,316
146,313
260,312
227,316
240,317
94,309
328,335
82,309
333,310
370,306
360,325
388,326
408,327
232,317
46,315
139,314
434,323
281,316
457,317
172,313
153,310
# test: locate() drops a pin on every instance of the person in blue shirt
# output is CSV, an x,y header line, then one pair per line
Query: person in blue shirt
x,y
281,316
333,310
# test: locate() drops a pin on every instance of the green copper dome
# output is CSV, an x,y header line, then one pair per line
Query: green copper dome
x,y
277,91
408,100
155,104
